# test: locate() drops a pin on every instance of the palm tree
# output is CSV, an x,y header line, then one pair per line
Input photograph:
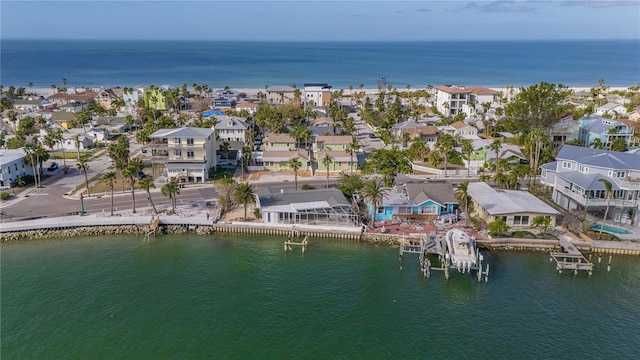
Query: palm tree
x,y
110,179
326,161
467,148
295,164
131,172
608,192
462,195
83,165
225,149
147,184
597,144
77,140
495,146
244,194
170,190
373,191
445,146
352,148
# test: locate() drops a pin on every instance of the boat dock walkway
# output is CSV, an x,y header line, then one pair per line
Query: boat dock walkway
x,y
571,258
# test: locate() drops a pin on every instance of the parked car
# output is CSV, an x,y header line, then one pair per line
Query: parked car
x,y
53,167
141,175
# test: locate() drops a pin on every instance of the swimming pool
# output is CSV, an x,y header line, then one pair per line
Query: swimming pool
x,y
611,229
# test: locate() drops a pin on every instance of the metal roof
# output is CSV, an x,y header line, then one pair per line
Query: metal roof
x,y
600,158
182,132
503,202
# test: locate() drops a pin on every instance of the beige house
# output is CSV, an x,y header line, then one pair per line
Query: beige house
x,y
518,208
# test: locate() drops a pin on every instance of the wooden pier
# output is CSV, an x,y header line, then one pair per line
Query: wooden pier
x,y
430,244
571,259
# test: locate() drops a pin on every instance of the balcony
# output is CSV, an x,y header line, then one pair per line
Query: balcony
x,y
582,200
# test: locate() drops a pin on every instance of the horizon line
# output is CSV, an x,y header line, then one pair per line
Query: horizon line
x,y
319,41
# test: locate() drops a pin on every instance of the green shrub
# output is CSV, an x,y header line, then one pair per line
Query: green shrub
x,y
4,196
257,213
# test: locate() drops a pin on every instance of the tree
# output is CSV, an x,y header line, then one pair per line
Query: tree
x,y
608,192
326,161
171,190
536,107
83,165
110,179
373,191
541,221
446,147
352,148
147,184
418,149
295,164
462,195
388,163
619,144
349,184
497,227
495,147
244,194
467,149
131,172
225,149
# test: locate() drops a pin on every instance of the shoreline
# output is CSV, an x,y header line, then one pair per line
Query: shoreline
x,y
173,225
252,91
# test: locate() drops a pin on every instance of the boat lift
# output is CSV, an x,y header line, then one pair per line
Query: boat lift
x,y
430,244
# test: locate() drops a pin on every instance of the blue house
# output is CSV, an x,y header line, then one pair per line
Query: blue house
x,y
417,201
607,130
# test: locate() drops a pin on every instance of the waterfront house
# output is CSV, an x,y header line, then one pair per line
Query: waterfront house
x,y
575,179
417,201
319,93
62,98
607,130
231,128
13,167
516,207
327,207
189,152
280,94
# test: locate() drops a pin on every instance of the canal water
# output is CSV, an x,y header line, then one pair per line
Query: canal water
x,y
241,296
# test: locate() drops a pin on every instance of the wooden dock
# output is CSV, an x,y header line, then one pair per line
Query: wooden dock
x,y
571,258
424,245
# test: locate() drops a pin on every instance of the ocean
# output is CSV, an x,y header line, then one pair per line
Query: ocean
x,y
340,64
230,296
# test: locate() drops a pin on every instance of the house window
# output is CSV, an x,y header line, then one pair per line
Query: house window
x,y
566,164
521,220
189,141
619,174
380,210
176,140
404,210
428,210
189,154
177,152
583,169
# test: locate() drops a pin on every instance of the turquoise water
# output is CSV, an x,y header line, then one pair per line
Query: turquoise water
x,y
193,297
611,229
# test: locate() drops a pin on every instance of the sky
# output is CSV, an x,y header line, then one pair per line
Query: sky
x,y
324,20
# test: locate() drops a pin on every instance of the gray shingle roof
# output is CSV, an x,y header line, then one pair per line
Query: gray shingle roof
x,y
600,158
587,181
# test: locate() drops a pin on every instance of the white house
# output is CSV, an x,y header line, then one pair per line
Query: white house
x,y
612,109
576,175
319,93
231,128
190,152
12,167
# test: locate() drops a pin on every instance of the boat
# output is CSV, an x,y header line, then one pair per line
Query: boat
x,y
461,250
